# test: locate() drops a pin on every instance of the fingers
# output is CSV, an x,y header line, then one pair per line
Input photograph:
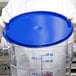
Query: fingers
x,y
2,24
70,19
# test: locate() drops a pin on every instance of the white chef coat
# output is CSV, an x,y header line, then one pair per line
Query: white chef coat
x,y
16,7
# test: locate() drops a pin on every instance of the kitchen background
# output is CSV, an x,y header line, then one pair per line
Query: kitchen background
x,y
4,61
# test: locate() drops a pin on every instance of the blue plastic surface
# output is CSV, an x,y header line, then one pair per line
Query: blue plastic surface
x,y
38,29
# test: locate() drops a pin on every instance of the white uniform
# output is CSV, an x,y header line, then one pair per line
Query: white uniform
x,y
16,7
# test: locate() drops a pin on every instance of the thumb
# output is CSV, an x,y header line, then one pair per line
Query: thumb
x,y
2,24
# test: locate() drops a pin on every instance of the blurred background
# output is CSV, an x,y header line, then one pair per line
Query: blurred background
x,y
4,60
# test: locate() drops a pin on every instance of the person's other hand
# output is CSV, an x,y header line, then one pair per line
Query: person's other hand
x,y
2,23
70,19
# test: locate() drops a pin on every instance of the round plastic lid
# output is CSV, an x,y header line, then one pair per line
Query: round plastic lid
x,y
38,29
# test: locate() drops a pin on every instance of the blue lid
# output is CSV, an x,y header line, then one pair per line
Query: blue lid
x,y
38,29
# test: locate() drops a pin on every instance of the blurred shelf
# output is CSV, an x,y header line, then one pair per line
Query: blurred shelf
x,y
3,0
73,74
2,4
5,75
74,48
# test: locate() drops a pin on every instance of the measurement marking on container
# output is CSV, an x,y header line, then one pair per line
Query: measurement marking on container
x,y
36,74
48,75
47,58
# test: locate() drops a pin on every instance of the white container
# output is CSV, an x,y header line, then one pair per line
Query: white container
x,y
39,61
39,44
69,57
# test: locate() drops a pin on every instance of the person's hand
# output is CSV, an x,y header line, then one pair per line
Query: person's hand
x,y
74,25
2,23
70,19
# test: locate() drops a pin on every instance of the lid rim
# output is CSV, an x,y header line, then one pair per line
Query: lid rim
x,y
37,46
